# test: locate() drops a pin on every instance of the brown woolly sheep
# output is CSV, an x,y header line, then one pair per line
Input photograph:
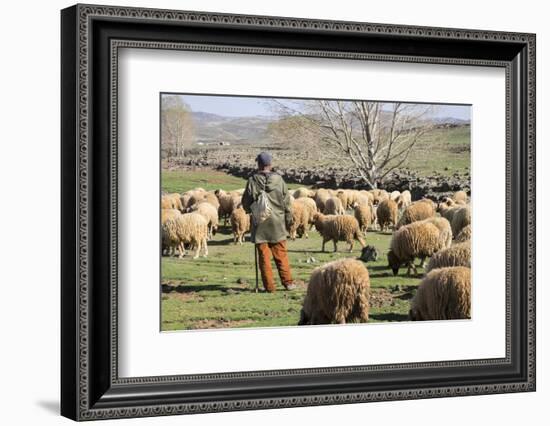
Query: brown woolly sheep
x,y
321,197
171,201
394,195
444,294
240,224
419,210
460,197
210,213
418,239
404,200
333,206
311,207
303,192
386,214
338,228
456,255
465,234
300,221
338,292
363,214
166,214
445,231
461,218
228,201
189,228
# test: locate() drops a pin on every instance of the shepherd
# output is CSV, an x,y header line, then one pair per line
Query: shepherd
x,y
267,198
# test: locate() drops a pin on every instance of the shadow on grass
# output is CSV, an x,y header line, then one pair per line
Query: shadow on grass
x,y
197,288
389,317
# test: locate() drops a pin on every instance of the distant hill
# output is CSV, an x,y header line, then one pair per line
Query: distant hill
x,y
214,128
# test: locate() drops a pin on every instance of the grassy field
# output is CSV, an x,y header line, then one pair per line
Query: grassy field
x,y
218,291
443,150
184,180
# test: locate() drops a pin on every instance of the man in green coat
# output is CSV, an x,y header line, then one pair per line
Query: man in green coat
x,y
269,236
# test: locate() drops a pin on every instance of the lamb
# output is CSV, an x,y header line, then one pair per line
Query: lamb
x,y
445,231
363,214
240,224
189,228
418,210
338,228
465,234
386,214
418,239
457,255
333,205
443,294
300,221
462,217
338,293
404,200
210,213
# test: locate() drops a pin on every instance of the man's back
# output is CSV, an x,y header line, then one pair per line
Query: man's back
x,y
273,229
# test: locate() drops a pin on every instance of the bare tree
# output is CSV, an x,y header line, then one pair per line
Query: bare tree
x,y
375,137
292,131
177,128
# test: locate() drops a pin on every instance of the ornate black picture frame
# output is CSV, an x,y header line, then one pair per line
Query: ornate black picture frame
x,y
91,37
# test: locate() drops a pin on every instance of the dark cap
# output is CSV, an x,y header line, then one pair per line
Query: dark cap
x,y
264,159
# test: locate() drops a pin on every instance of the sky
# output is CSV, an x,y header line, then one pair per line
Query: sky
x,y
242,106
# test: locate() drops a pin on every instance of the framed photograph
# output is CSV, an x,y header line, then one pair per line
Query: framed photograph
x,y
263,212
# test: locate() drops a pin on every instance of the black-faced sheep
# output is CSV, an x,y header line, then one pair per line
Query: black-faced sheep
x,y
416,240
333,205
419,210
444,294
465,234
240,224
338,293
338,228
457,255
189,228
386,214
369,254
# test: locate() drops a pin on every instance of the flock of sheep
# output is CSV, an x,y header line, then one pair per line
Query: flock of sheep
x,y
339,291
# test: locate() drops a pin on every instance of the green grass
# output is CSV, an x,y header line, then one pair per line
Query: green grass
x,y
218,291
445,151
184,180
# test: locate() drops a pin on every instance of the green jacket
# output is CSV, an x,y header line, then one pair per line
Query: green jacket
x,y
273,229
